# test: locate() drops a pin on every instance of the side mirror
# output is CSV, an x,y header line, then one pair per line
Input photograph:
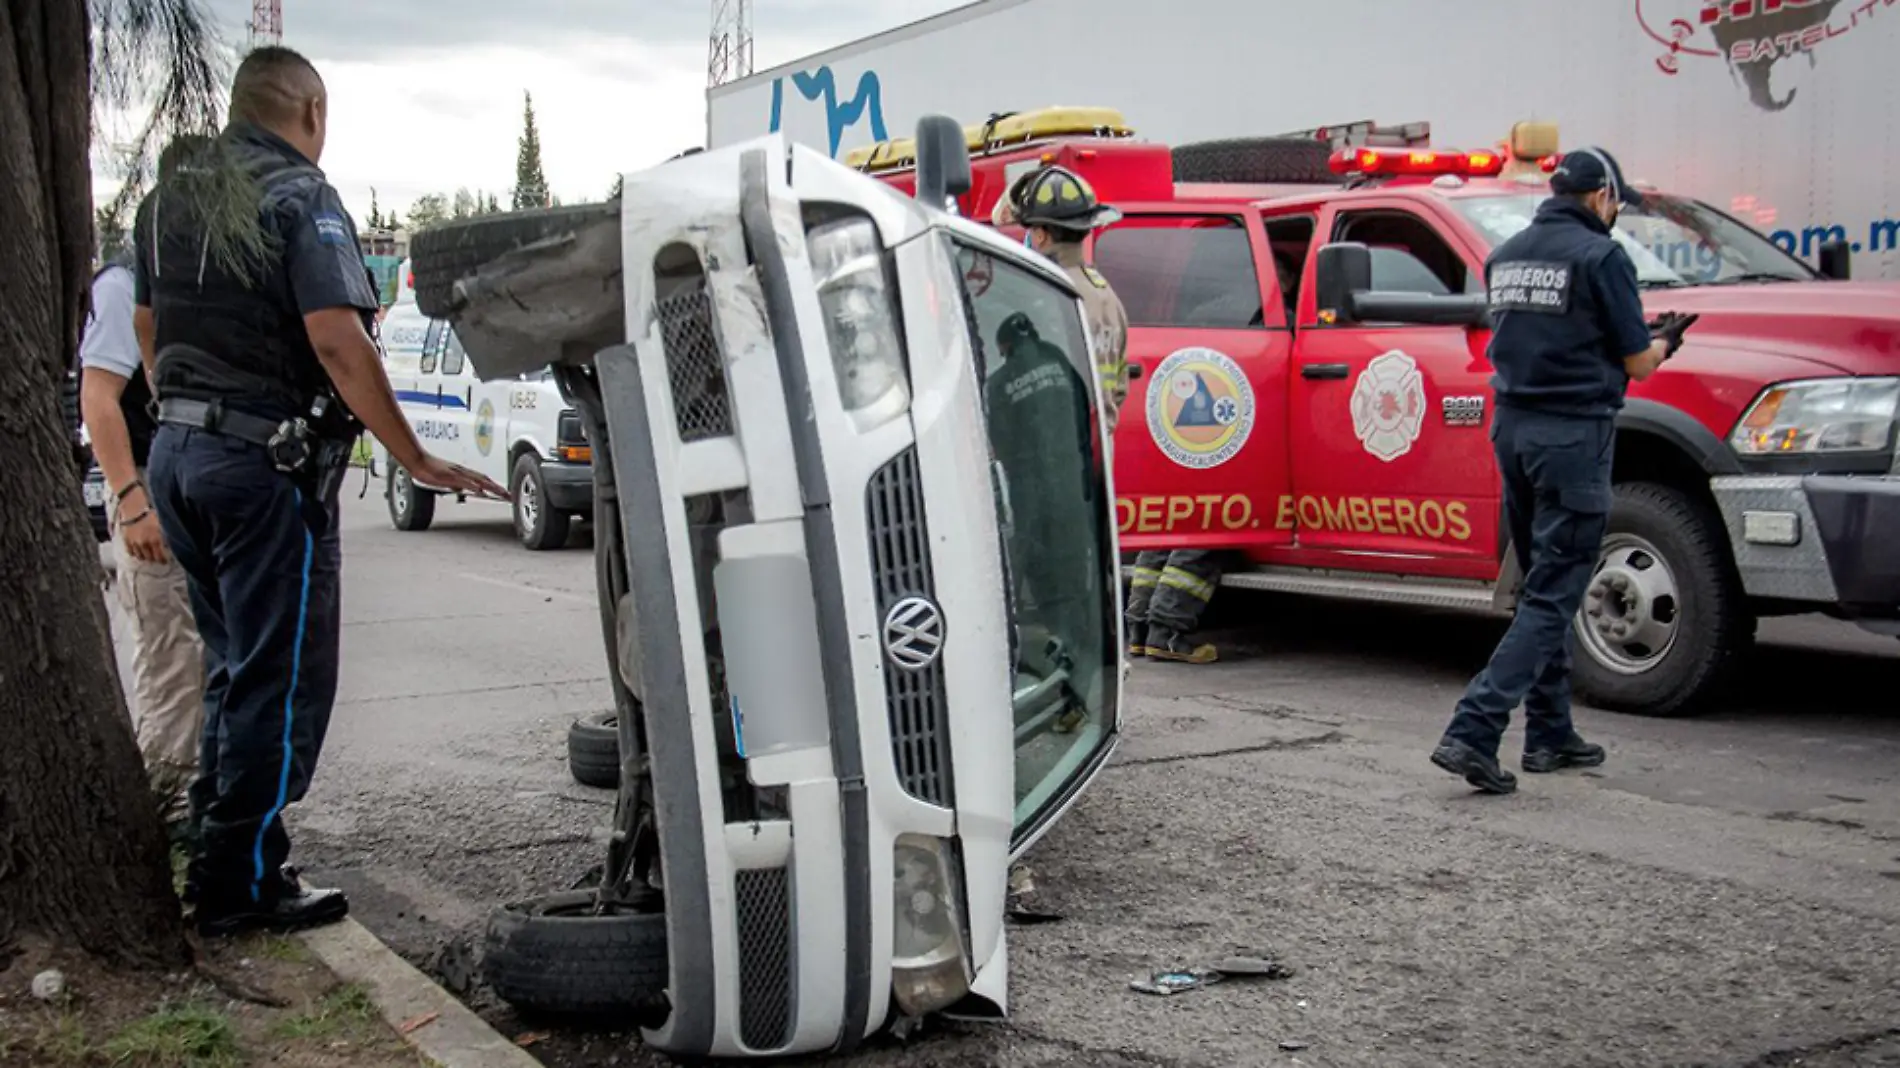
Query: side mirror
x,y
943,160
1344,288
1344,270
1836,259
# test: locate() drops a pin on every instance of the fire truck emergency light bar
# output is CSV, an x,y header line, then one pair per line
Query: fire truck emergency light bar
x,y
1381,162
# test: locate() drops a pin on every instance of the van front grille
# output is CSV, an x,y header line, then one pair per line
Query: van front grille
x,y
765,958
694,365
900,561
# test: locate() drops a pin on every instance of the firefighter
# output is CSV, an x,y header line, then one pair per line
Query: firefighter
x,y
1058,208
261,369
1568,336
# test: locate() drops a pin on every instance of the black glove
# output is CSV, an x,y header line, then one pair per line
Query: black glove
x,y
1670,328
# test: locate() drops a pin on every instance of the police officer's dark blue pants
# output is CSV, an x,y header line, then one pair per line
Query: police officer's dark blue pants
x,y
264,568
1556,474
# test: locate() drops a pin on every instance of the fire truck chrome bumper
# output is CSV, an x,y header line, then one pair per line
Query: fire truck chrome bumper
x,y
1824,539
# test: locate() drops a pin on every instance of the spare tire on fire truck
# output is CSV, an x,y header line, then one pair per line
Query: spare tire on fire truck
x,y
1255,159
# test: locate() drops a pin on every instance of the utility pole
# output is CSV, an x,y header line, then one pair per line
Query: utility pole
x,y
729,48
267,22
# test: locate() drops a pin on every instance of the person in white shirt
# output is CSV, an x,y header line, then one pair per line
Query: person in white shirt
x,y
168,664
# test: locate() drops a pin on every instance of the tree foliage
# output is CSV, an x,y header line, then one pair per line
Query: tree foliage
x,y
531,183
428,210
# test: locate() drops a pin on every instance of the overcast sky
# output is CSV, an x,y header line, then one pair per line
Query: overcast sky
x,y
426,95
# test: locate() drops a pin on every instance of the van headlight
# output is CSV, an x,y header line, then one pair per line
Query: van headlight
x,y
1821,416
854,290
929,967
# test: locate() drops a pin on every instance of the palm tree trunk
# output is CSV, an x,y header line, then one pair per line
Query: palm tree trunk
x,y
83,859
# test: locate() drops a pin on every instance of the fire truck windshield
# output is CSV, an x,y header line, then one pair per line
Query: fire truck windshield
x,y
1673,241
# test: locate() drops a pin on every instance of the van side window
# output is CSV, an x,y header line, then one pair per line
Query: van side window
x,y
431,343
1408,256
453,354
1289,239
1174,271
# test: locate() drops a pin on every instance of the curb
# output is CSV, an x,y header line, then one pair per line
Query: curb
x,y
453,1038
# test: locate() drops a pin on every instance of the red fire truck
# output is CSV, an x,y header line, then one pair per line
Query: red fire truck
x,y
1310,387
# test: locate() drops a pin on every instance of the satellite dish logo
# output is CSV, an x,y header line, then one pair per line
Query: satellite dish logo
x,y
840,115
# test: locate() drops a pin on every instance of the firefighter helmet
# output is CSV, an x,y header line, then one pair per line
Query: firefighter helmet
x,y
1058,197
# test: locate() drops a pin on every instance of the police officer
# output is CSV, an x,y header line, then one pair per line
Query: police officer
x,y
262,370
1568,336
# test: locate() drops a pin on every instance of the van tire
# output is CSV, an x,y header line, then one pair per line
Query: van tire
x,y
1255,159
1714,625
411,508
552,955
593,750
539,526
445,254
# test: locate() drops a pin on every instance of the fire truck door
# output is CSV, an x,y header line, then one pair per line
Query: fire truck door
x,y
1392,466
1201,449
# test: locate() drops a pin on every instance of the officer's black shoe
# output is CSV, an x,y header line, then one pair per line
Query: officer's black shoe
x,y
1480,771
292,907
1137,639
1575,753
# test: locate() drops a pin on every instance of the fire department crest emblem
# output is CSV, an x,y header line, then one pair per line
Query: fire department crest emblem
x,y
1200,408
1388,405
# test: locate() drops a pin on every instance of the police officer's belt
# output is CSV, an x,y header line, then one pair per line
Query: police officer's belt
x,y
215,417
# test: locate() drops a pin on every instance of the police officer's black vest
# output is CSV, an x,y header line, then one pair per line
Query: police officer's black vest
x,y
1549,344
230,335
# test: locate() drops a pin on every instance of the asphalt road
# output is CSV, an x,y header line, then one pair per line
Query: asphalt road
x,y
1726,891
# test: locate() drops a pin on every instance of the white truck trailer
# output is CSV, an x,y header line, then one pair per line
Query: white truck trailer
x,y
1781,112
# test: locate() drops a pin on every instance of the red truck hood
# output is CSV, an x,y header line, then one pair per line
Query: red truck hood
x,y
1830,327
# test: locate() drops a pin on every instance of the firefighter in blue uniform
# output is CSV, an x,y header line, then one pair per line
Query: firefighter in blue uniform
x,y
262,371
1568,336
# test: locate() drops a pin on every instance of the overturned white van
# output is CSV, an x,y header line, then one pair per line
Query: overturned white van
x,y
858,583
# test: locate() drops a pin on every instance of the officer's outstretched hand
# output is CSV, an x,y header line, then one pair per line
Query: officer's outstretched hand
x,y
437,473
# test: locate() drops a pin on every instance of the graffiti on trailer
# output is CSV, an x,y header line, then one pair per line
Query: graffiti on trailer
x,y
1751,35
840,115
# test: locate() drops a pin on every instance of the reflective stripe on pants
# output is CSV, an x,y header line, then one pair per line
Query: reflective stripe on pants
x,y
1177,589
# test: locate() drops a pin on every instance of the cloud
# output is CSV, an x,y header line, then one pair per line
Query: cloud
x,y
426,95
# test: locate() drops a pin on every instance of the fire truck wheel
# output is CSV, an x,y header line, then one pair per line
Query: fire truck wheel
x,y
1255,159
593,750
444,255
1665,621
554,956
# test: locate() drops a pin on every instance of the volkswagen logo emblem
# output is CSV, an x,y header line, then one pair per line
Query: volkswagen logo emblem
x,y
913,633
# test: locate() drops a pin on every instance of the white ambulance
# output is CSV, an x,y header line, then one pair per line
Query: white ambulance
x,y
518,431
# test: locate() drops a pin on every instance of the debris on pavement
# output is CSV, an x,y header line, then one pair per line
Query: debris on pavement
x,y
531,1038
414,1024
1166,984
1294,1045
1022,906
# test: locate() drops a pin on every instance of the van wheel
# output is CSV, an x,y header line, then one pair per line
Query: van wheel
x,y
539,526
1665,622
1255,159
410,506
554,955
593,750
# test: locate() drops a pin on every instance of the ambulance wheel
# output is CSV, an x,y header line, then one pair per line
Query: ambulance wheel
x,y
554,956
539,525
593,750
1255,159
410,506
1665,622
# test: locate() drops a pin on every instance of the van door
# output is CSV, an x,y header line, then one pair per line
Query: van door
x,y
1201,449
1393,471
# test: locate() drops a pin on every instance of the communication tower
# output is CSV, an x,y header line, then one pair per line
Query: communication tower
x,y
267,22
729,49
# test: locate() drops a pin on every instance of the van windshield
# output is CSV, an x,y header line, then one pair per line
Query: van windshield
x,y
1673,241
1052,491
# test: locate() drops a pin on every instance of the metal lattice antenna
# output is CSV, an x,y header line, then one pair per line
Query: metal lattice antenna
x,y
729,48
267,22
